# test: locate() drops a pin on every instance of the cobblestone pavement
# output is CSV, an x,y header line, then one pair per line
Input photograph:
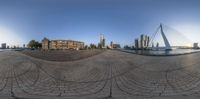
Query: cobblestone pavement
x,y
62,55
116,74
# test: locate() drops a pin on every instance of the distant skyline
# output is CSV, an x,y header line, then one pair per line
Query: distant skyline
x,y
121,21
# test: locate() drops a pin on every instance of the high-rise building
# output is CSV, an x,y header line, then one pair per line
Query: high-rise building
x,y
3,45
136,44
24,46
148,41
195,46
157,45
152,45
144,41
102,41
111,44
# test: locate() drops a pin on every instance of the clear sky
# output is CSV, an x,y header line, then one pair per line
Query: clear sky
x,y
121,21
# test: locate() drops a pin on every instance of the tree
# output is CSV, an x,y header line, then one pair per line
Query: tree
x,y
93,46
34,44
86,47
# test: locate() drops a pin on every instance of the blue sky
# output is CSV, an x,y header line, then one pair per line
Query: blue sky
x,y
121,21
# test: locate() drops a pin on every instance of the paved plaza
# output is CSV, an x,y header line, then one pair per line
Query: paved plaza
x,y
107,75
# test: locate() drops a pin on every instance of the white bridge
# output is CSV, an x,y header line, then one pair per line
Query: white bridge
x,y
166,42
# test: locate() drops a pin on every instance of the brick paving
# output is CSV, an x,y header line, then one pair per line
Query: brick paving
x,y
112,73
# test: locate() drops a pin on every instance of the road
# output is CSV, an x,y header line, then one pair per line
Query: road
x,y
109,75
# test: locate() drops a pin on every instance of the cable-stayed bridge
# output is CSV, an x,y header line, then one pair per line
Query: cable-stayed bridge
x,y
168,38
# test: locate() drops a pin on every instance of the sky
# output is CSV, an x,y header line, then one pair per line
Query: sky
x,y
121,21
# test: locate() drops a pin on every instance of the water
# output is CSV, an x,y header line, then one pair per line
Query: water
x,y
163,53
7,50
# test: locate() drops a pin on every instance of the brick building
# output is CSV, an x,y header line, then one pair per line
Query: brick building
x,y
61,44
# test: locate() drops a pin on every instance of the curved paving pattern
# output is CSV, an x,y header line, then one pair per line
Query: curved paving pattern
x,y
115,73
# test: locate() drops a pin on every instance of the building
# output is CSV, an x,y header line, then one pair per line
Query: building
x,y
195,46
45,43
112,45
141,41
3,45
102,41
61,44
116,46
24,46
136,44
144,41
157,45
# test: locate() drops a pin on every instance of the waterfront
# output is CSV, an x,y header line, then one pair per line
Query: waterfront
x,y
119,74
162,52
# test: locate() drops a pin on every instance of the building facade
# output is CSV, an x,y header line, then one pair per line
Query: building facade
x,y
116,46
113,46
136,44
195,46
144,41
3,45
102,41
61,44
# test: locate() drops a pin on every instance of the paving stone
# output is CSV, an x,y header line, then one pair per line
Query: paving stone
x,y
111,73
